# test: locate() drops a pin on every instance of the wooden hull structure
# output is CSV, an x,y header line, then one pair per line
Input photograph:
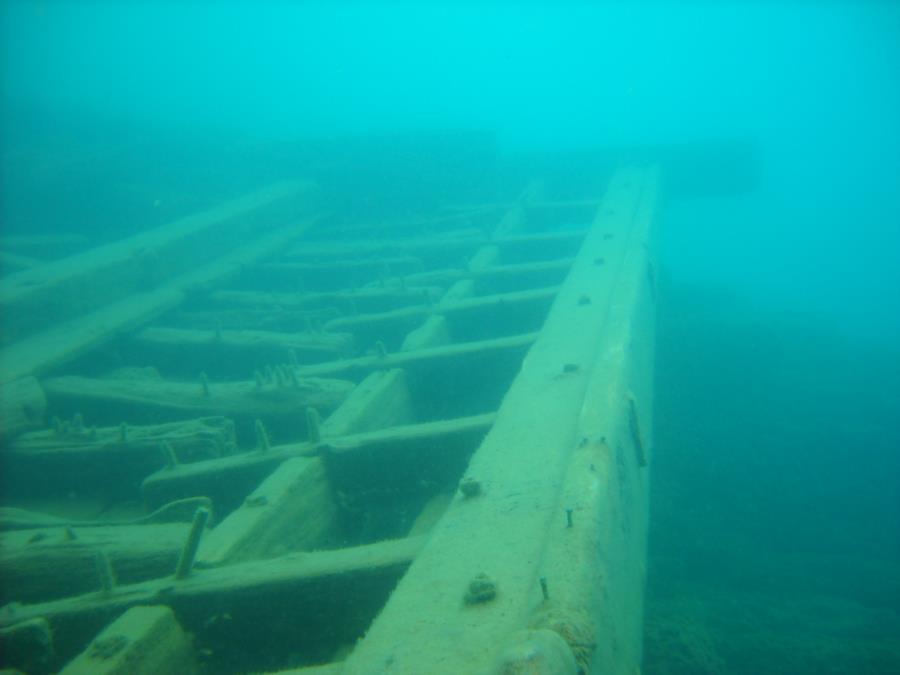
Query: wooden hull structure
x,y
261,439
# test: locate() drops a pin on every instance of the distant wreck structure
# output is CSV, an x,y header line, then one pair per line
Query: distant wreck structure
x,y
280,436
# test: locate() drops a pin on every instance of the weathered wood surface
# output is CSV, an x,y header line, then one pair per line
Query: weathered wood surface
x,y
42,297
69,338
236,353
435,331
291,510
54,562
348,583
544,272
22,406
74,459
228,479
365,299
416,225
191,440
144,392
514,301
453,242
380,401
143,641
418,357
427,625
247,341
406,437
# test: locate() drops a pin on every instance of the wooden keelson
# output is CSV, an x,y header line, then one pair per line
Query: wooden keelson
x,y
264,437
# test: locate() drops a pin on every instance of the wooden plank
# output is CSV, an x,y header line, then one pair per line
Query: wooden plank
x,y
291,510
350,583
70,338
53,562
418,357
207,350
469,305
222,479
524,269
544,272
141,393
367,299
402,315
333,274
226,481
143,641
381,400
406,435
62,290
302,343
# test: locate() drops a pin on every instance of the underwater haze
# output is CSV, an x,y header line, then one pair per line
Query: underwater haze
x,y
775,518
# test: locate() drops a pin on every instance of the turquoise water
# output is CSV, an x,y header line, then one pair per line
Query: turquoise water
x,y
775,534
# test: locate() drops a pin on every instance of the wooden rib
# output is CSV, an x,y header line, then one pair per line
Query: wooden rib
x,y
448,307
309,582
418,356
314,344
209,477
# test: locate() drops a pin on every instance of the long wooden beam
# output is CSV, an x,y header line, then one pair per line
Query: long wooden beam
x,y
476,586
72,337
42,297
